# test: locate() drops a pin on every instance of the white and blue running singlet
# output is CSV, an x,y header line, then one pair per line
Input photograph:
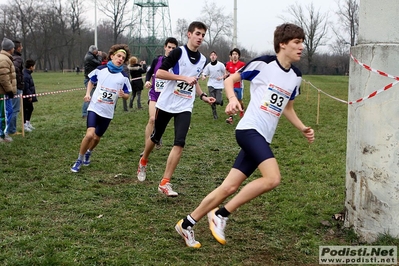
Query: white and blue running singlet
x,y
178,96
106,93
272,87
215,73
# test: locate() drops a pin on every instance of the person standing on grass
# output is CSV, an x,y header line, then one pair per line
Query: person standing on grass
x,y
232,67
215,71
274,84
8,87
112,83
181,68
16,102
29,89
136,71
155,86
91,61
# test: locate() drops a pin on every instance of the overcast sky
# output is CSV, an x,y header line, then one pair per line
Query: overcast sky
x,y
256,19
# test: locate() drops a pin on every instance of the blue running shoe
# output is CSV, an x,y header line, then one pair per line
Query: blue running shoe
x,y
76,167
86,160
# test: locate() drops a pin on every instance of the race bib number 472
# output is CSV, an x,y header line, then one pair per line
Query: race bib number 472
x,y
275,100
184,90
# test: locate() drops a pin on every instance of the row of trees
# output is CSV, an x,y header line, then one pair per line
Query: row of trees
x,y
57,33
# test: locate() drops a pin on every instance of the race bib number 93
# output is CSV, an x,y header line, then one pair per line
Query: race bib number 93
x,y
275,100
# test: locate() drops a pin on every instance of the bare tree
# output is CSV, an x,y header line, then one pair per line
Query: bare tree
x,y
315,25
23,15
105,28
181,30
219,25
117,11
75,14
347,27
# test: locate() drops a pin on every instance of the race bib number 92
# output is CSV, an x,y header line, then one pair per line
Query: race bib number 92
x,y
107,95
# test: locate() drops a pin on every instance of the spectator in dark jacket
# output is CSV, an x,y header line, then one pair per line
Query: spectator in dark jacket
x,y
136,71
29,89
91,61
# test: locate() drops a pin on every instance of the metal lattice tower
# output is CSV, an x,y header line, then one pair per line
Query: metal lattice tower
x,y
152,29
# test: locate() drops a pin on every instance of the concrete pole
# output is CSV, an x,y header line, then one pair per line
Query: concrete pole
x,y
95,24
235,25
372,163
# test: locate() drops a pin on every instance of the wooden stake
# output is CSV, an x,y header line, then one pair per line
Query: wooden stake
x,y
21,110
318,107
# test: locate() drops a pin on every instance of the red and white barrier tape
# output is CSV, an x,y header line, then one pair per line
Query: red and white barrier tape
x,y
371,95
374,70
43,93
136,78
379,72
374,93
53,92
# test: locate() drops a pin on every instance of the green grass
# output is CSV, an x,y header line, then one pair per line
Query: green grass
x,y
104,216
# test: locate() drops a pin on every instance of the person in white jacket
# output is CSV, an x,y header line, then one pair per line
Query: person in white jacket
x,y
215,72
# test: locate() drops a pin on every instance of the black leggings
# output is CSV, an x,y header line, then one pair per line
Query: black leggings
x,y
28,109
181,123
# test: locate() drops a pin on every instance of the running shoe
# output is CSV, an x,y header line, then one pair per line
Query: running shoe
x,y
7,138
187,234
241,114
86,160
229,120
141,172
27,128
217,224
76,167
167,190
30,126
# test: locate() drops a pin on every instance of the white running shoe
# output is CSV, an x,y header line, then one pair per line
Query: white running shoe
x,y
27,128
167,190
141,172
30,126
217,224
187,234
7,138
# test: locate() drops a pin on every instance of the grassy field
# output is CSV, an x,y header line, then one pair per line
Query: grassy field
x,y
105,216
